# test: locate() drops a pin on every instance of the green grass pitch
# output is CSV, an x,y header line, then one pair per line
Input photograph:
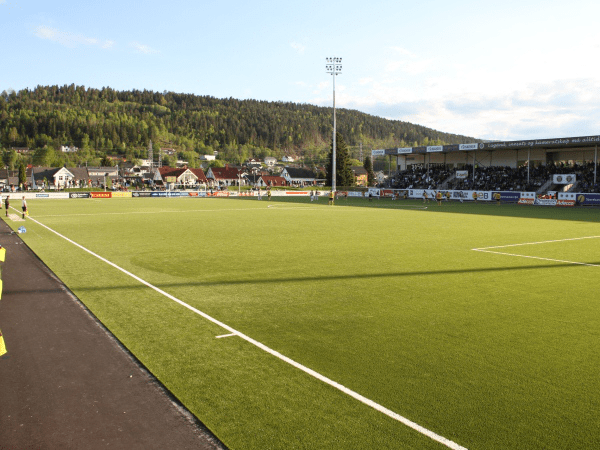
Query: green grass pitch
x,y
489,349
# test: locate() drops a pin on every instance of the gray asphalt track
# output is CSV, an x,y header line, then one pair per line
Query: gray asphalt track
x,y
66,382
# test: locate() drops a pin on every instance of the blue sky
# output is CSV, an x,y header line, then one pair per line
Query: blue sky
x,y
493,70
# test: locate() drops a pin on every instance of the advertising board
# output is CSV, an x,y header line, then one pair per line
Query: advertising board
x,y
545,201
588,199
526,201
355,194
560,202
100,194
558,178
509,196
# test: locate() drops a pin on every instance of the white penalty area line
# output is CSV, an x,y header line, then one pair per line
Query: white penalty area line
x,y
488,250
233,332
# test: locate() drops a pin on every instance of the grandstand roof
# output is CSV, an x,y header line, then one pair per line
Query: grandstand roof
x,y
554,143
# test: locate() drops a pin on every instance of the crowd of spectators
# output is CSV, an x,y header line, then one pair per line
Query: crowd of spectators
x,y
498,178
421,177
586,183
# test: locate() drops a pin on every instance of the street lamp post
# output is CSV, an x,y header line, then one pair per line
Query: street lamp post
x,y
334,67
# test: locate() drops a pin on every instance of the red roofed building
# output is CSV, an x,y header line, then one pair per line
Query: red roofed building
x,y
200,175
224,176
268,181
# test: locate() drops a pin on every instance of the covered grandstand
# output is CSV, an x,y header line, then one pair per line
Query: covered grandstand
x,y
526,165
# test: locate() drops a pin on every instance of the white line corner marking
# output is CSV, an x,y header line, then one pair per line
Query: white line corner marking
x,y
488,250
424,431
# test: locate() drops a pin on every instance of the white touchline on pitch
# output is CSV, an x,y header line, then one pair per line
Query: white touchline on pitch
x,y
424,431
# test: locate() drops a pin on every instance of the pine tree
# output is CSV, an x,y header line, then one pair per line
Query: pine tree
x,y
343,173
368,165
22,174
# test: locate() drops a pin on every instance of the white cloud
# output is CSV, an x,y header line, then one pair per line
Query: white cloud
x,y
69,39
141,48
402,51
298,47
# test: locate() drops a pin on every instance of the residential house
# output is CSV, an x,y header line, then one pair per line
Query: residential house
x,y
9,178
52,177
80,176
97,176
253,164
180,176
298,177
270,161
200,175
271,181
361,176
224,176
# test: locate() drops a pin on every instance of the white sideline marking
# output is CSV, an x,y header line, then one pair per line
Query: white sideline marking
x,y
424,431
486,250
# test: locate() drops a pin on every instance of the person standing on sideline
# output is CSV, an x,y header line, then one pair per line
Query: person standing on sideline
x,y
331,197
269,194
7,204
24,207
438,197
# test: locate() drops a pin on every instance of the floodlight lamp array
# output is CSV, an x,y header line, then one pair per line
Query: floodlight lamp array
x,y
334,66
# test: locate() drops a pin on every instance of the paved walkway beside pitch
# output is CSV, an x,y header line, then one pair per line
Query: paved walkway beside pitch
x,y
66,383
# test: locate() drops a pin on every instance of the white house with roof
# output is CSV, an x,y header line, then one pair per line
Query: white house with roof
x,y
270,161
298,177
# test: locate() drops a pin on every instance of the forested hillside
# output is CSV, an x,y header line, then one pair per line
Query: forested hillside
x,y
105,121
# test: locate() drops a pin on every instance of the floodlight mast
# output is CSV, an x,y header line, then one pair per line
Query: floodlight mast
x,y
333,67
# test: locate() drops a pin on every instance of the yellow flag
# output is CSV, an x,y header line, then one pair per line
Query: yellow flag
x,y
2,346
2,254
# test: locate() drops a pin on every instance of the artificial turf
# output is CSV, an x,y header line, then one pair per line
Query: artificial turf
x,y
386,298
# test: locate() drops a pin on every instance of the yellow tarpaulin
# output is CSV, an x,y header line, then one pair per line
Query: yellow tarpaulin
x,y
2,346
